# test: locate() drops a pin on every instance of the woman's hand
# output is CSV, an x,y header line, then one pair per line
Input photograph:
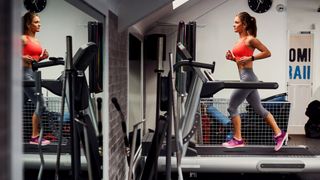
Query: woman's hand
x,y
44,55
244,60
230,56
27,59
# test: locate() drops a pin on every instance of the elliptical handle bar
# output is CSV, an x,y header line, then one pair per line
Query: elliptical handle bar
x,y
194,64
53,62
56,58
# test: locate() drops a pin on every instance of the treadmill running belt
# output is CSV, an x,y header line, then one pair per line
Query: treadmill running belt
x,y
285,151
51,148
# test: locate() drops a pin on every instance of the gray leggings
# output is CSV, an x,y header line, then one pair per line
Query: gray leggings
x,y
251,95
30,92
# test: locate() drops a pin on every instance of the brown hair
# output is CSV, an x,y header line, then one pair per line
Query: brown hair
x,y
27,20
250,22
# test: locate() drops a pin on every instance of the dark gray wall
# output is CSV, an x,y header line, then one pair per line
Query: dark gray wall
x,y
5,35
118,87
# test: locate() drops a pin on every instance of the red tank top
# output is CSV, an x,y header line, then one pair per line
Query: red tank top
x,y
32,49
241,49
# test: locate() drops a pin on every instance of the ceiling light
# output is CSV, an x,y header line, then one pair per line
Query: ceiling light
x,y
177,3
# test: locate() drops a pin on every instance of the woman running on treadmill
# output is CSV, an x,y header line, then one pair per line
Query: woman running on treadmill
x,y
32,51
242,55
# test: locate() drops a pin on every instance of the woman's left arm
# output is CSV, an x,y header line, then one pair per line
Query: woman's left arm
x,y
44,55
264,51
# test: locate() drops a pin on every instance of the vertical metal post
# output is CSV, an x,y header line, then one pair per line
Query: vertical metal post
x,y
159,72
169,134
75,146
39,114
176,119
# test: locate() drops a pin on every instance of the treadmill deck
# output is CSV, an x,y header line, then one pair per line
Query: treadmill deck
x,y
251,159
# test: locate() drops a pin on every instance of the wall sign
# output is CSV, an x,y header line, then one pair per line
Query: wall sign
x,y
300,58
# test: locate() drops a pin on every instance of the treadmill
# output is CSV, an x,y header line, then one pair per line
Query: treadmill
x,y
250,158
206,158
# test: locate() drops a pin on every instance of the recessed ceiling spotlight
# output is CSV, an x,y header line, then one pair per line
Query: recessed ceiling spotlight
x,y
177,3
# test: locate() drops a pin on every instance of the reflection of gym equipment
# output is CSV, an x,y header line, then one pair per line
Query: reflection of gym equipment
x,y
83,129
218,158
81,122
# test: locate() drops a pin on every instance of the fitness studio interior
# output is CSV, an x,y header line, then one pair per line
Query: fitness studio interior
x,y
141,89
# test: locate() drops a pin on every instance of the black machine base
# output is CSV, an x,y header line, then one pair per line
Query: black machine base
x,y
147,140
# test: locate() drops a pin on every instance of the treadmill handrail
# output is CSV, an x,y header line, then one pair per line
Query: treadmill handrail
x,y
37,65
193,64
212,87
251,85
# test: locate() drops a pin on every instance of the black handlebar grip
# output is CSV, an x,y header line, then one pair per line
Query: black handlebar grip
x,y
55,58
115,103
99,101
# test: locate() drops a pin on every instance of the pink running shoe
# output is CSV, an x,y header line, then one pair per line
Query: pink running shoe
x,y
280,140
233,143
35,140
